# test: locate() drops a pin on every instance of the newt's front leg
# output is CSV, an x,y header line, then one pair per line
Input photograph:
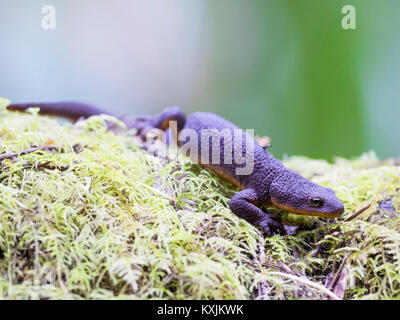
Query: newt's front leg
x,y
242,204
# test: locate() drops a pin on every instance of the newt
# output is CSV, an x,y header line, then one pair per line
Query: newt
x,y
269,182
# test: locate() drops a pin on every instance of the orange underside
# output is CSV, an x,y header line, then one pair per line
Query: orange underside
x,y
304,212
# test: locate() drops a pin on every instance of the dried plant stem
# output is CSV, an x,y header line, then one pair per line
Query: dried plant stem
x,y
157,191
333,283
308,283
15,154
262,285
356,214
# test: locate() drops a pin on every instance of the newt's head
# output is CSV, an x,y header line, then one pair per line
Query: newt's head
x,y
294,193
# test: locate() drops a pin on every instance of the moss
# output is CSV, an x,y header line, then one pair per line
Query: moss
x,y
88,214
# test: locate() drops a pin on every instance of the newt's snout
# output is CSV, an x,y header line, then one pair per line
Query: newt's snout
x,y
306,210
298,195
339,211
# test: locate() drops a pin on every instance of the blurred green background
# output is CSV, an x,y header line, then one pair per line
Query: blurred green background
x,y
285,68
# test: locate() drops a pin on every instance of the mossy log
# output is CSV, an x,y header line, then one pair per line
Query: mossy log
x,y
86,213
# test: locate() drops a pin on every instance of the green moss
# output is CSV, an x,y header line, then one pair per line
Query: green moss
x,y
97,217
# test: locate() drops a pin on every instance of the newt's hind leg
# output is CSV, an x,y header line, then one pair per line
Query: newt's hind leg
x,y
160,121
243,205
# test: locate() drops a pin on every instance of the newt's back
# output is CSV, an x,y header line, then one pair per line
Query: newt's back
x,y
226,149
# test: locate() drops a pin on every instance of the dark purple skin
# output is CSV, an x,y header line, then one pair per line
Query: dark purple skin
x,y
270,182
70,110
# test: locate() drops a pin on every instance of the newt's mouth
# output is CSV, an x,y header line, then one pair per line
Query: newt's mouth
x,y
322,214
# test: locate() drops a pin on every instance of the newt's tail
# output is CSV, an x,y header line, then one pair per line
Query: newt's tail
x,y
70,110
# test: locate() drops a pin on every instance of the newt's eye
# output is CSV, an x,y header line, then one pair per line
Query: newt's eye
x,y
316,202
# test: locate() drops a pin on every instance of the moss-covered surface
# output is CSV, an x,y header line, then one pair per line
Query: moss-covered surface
x,y
92,215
